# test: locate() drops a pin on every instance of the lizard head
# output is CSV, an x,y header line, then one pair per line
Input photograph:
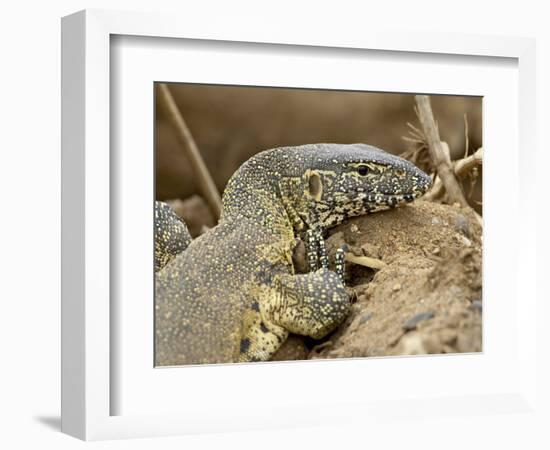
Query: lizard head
x,y
340,181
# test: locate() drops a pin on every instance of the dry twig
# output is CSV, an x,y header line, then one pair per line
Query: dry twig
x,y
365,261
205,181
438,154
462,168
466,138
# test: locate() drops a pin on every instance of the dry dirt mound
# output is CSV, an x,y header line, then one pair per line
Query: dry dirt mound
x,y
427,297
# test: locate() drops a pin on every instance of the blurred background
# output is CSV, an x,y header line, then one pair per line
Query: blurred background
x,y
231,123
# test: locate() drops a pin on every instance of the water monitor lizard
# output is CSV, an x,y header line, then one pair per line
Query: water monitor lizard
x,y
233,294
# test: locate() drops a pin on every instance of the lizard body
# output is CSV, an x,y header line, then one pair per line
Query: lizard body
x,y
233,295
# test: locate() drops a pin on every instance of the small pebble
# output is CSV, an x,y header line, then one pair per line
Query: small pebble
x,y
462,225
476,305
396,287
412,344
354,228
466,241
412,323
364,318
436,251
436,221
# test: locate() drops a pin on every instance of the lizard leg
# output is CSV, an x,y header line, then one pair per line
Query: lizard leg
x,y
311,304
317,254
261,341
171,235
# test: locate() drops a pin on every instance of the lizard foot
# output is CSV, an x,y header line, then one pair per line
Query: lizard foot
x,y
311,304
316,252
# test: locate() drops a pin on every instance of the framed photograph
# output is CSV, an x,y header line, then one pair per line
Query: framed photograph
x,y
267,228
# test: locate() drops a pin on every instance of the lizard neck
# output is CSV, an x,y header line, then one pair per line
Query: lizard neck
x,y
272,190
297,203
255,196
257,210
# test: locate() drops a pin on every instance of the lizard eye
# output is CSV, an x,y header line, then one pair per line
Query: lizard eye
x,y
363,170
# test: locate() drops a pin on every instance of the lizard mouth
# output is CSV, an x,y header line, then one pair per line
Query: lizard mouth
x,y
392,199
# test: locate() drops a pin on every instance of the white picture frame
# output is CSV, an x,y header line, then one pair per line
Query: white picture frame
x,y
89,386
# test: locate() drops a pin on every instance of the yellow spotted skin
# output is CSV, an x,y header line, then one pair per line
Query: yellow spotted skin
x,y
171,235
233,295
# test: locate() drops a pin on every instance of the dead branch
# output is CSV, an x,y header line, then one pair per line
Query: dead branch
x,y
462,167
438,155
206,184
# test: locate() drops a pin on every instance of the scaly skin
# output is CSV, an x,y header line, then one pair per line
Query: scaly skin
x,y
232,295
171,235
